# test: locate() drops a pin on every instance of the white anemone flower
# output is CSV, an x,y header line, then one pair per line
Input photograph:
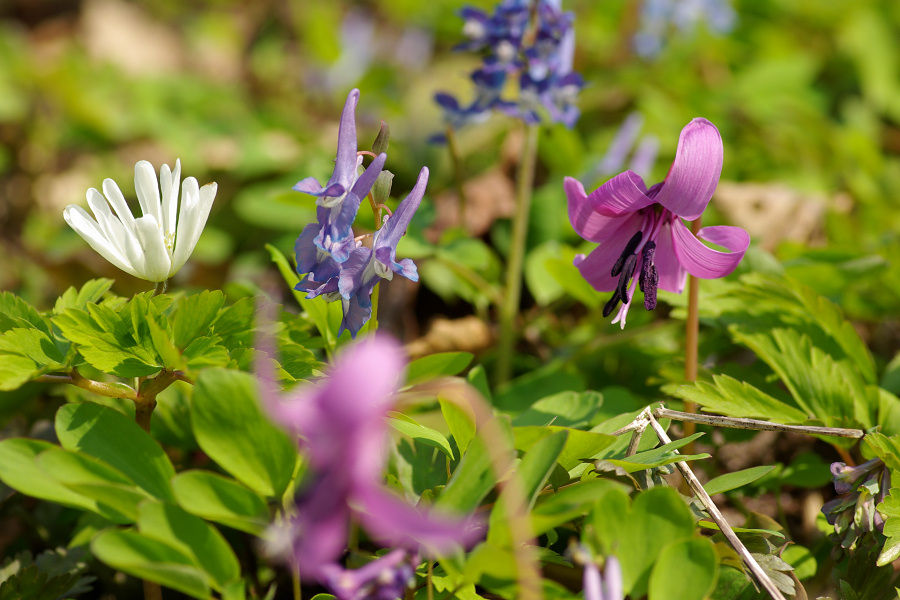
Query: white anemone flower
x,y
155,246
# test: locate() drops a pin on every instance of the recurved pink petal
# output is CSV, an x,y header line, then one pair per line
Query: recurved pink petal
x,y
694,175
587,222
596,266
672,275
624,193
704,262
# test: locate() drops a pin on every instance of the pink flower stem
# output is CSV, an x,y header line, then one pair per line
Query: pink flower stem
x,y
692,328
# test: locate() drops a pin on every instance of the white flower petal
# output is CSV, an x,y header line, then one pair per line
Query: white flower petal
x,y
156,257
147,188
195,207
169,181
85,226
114,195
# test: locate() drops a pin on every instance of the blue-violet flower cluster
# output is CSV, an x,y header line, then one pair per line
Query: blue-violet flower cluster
x,y
334,263
533,39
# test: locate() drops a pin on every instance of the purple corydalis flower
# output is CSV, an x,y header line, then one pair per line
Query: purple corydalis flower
x,y
338,201
341,424
367,266
640,230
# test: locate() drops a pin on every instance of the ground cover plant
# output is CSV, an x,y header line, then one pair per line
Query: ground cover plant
x,y
517,299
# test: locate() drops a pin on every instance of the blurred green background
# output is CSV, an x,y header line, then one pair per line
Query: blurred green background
x,y
806,95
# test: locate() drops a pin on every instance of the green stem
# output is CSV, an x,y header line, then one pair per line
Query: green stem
x,y
295,579
458,178
513,295
373,320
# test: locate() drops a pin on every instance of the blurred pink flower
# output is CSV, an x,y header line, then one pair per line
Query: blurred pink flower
x,y
341,425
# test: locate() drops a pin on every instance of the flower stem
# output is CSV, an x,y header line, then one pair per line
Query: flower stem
x,y
509,310
152,591
458,178
373,320
692,328
295,580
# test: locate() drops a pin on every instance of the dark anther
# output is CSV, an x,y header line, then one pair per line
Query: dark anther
x,y
625,277
630,247
649,278
611,305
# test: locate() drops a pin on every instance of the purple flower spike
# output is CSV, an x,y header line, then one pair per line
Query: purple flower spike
x,y
625,217
341,424
365,267
347,160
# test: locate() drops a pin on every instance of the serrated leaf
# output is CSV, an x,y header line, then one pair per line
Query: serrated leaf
x,y
890,510
194,315
33,343
15,312
15,371
733,398
91,291
206,352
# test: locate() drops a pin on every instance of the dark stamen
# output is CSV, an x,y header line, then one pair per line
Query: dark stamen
x,y
646,262
630,247
650,291
625,277
611,305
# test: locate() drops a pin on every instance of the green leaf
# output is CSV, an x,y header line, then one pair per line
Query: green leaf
x,y
684,570
194,315
117,440
474,477
730,481
890,510
638,532
539,277
206,352
532,474
886,448
193,537
91,291
566,409
33,343
382,139
232,430
18,467
803,561
15,371
568,503
461,422
411,428
437,365
580,445
107,339
657,457
317,310
222,500
116,495
15,312
130,552
733,398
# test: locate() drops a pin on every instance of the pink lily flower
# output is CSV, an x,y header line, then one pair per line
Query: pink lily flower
x,y
643,240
